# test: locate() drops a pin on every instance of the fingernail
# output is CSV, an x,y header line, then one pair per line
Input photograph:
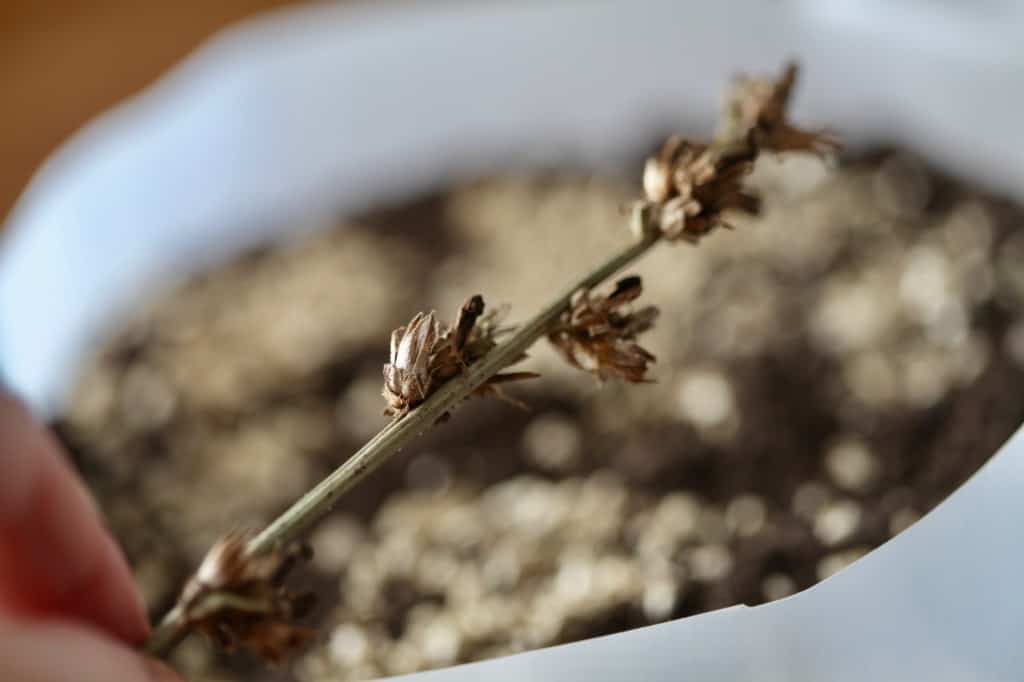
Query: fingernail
x,y
160,672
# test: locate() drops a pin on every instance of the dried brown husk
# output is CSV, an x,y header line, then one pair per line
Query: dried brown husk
x,y
696,187
690,187
425,355
598,333
240,601
759,105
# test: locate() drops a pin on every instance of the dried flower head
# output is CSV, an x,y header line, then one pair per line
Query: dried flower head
x,y
240,601
758,105
425,355
598,333
408,378
688,188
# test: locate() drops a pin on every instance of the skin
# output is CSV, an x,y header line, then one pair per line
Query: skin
x,y
69,608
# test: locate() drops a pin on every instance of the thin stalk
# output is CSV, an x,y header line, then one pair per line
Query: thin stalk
x,y
399,432
734,140
167,635
396,435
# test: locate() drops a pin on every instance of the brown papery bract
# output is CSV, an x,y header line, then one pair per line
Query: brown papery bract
x,y
598,333
695,188
689,187
759,105
425,355
240,601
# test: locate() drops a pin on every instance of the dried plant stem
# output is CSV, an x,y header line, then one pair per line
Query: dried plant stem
x,y
396,435
166,635
687,186
731,140
399,432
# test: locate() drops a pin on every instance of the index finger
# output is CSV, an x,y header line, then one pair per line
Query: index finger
x,y
56,557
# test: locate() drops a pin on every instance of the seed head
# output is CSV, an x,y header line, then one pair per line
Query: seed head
x,y
240,601
410,377
425,355
758,105
689,186
598,333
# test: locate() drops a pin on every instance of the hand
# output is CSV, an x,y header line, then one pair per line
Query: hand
x,y
69,608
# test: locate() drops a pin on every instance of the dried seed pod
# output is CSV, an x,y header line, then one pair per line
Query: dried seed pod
x,y
689,186
758,105
688,189
408,378
240,601
704,187
424,355
598,333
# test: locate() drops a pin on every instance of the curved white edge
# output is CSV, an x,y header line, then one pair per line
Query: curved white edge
x,y
941,602
307,112
331,108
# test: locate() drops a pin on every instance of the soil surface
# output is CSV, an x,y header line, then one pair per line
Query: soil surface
x,y
826,374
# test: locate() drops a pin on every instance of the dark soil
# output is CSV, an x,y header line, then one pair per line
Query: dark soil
x,y
826,375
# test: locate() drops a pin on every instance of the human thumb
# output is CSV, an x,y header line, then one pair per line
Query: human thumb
x,y
37,651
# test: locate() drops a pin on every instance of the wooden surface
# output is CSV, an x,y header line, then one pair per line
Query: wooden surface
x,y
64,61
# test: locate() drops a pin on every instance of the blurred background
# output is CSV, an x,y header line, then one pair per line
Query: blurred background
x,y
63,62
826,373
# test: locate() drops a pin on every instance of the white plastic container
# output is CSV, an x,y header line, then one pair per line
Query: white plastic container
x,y
310,111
